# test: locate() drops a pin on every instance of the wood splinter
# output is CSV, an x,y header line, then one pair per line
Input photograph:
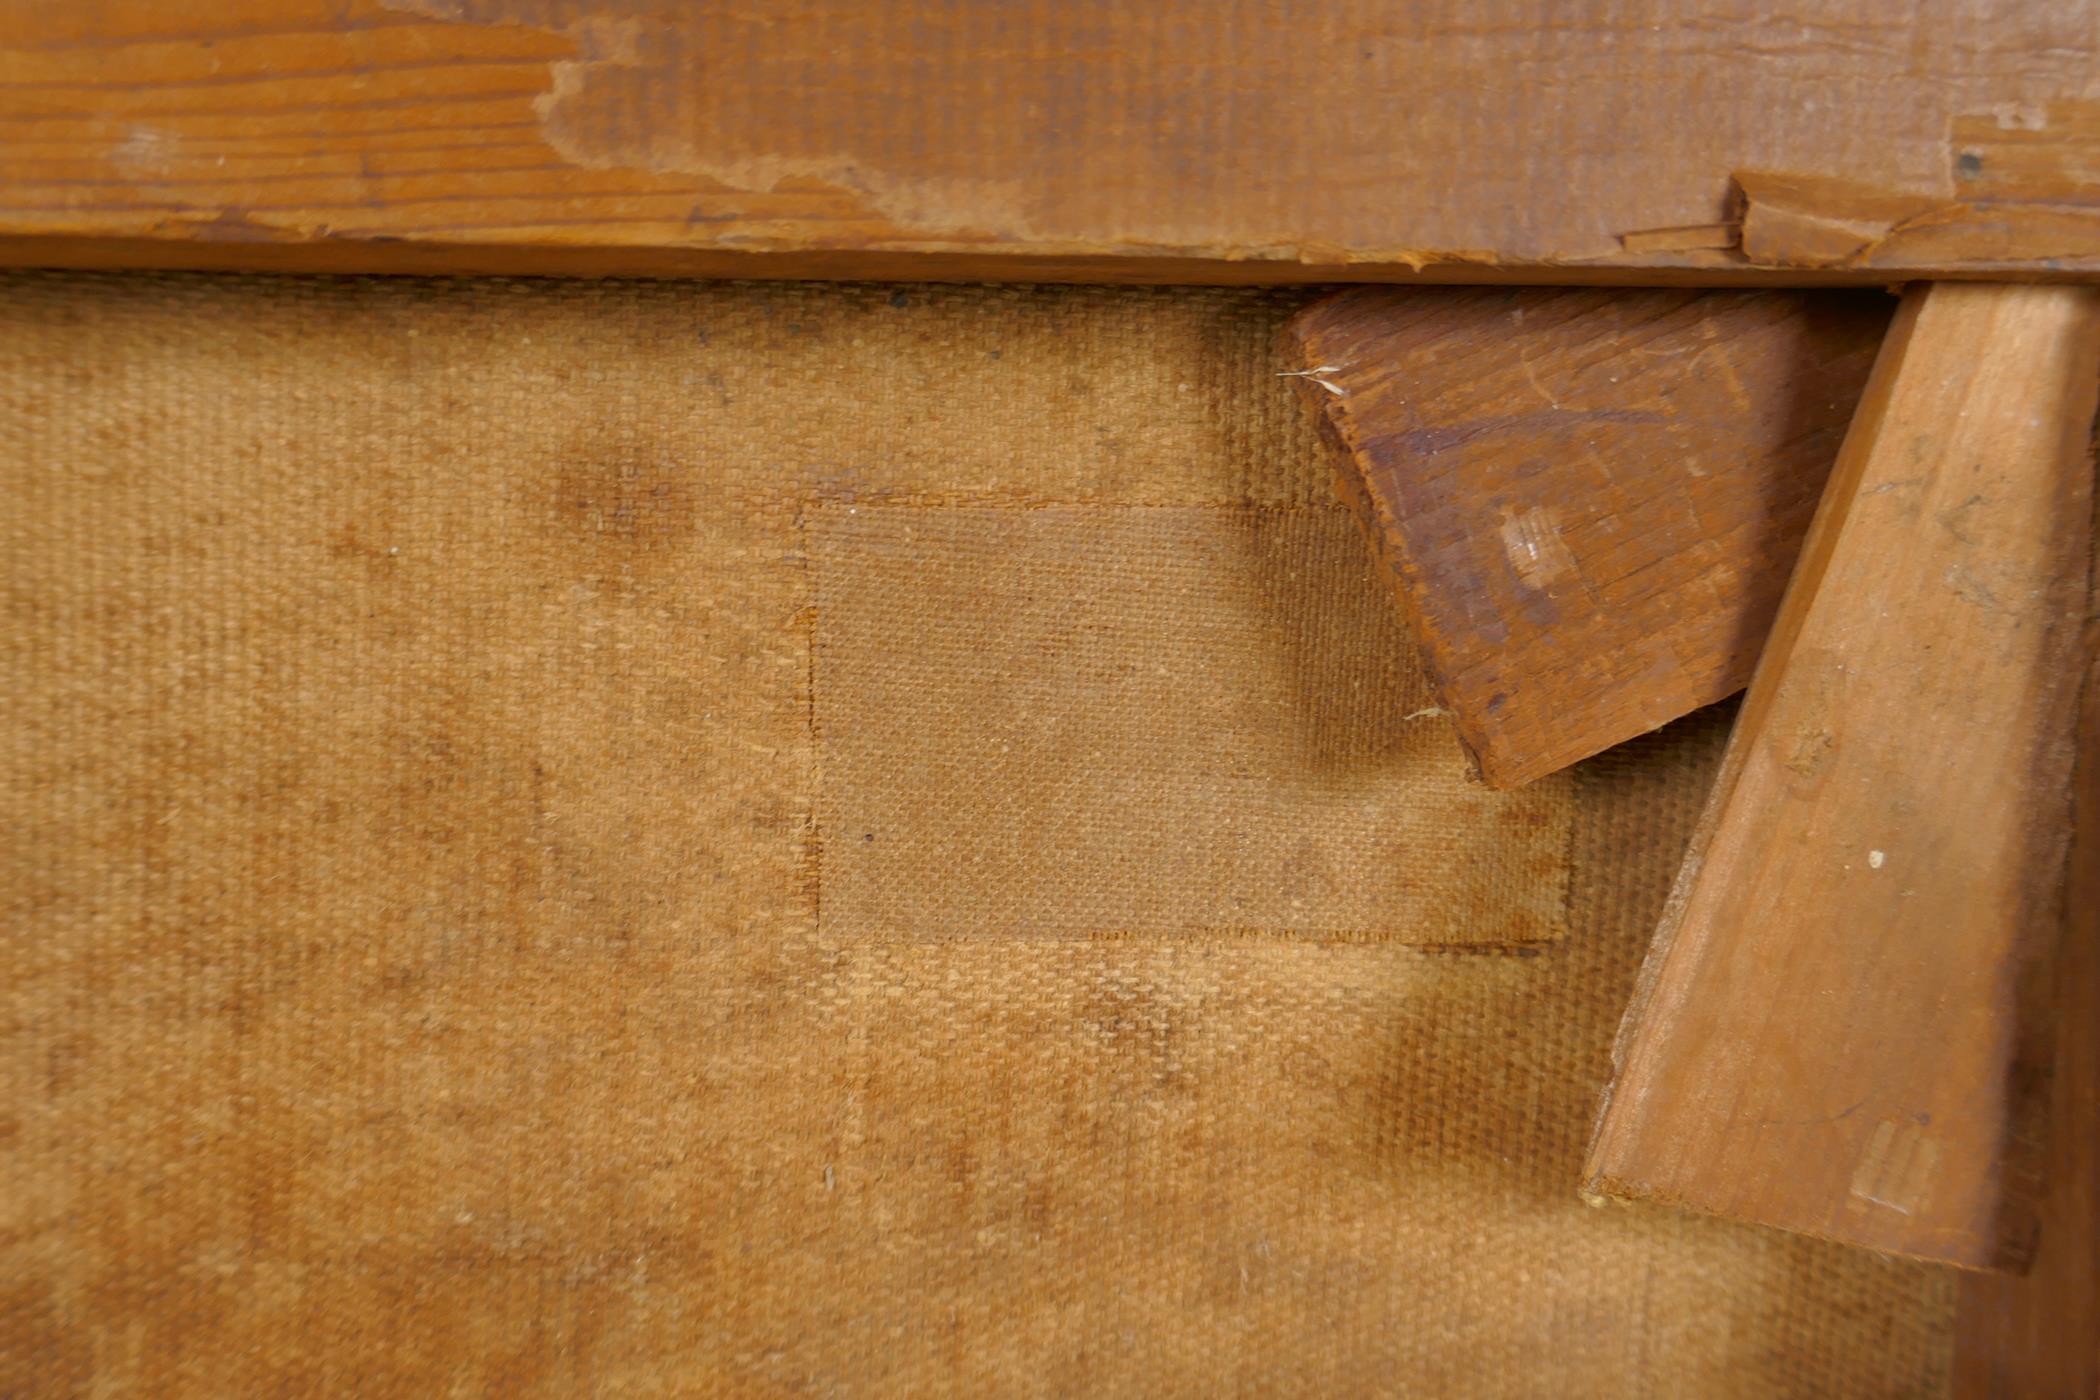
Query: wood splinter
x,y
1836,1030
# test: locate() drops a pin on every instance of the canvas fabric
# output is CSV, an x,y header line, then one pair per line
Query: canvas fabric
x,y
680,838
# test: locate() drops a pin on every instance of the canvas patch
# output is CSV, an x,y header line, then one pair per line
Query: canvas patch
x,y
1086,721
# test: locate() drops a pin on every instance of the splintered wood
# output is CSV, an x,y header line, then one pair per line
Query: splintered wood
x,y
1836,1032
1588,502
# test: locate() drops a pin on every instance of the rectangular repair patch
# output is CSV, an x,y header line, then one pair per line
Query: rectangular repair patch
x,y
1094,720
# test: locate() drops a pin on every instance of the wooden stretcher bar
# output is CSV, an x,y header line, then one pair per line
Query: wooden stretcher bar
x,y
1702,141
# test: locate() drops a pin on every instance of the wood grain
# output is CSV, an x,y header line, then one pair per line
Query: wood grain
x,y
1244,140
2040,1335
1587,503
1835,1032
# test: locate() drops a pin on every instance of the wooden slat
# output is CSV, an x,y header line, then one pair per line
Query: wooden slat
x,y
1587,502
2040,1335
1829,1037
1556,140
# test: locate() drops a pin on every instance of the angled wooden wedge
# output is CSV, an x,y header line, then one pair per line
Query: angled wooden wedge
x,y
1586,502
1836,1028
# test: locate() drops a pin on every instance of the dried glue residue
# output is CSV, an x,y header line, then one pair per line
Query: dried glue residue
x,y
631,99
1536,550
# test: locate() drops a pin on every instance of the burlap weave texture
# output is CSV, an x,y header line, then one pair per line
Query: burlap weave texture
x,y
417,975
1104,720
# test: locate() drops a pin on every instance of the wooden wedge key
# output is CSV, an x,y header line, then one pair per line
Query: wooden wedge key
x,y
1587,501
1836,1029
